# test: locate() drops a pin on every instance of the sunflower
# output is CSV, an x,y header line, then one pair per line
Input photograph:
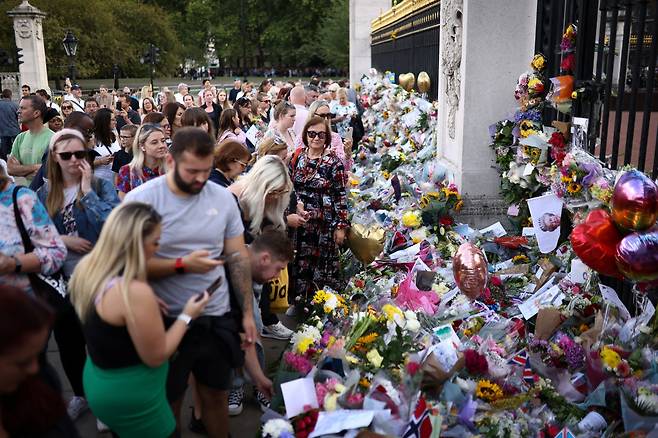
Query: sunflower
x,y
367,339
574,187
519,259
488,391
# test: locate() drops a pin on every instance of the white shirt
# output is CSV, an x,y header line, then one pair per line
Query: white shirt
x,y
78,104
300,119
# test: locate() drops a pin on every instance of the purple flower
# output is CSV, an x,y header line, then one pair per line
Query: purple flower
x,y
575,355
593,170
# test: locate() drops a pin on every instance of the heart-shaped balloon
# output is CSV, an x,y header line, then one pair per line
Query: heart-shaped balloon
x,y
635,201
637,256
407,81
424,82
595,242
366,242
469,267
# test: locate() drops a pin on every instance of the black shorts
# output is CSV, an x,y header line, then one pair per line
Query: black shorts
x,y
210,350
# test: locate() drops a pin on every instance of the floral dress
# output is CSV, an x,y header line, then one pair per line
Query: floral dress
x,y
319,185
48,245
129,180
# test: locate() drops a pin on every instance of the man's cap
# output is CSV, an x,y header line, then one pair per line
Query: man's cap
x,y
75,87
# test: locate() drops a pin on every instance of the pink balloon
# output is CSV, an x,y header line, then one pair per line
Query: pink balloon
x,y
470,269
637,256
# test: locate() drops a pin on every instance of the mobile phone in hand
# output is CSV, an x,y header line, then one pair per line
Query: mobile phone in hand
x,y
212,288
349,133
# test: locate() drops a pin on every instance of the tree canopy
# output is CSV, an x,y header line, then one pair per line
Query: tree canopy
x,y
270,32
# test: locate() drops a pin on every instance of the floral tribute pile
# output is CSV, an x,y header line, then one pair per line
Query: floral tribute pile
x,y
444,330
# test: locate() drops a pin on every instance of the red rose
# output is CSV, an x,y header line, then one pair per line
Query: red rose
x,y
446,221
359,283
568,63
557,140
475,362
412,368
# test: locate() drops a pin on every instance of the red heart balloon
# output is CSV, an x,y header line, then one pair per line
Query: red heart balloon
x,y
595,242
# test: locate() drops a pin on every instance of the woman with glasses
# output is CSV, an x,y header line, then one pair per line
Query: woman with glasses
x,y
229,127
263,110
67,109
78,204
231,159
341,147
149,153
243,107
318,177
105,124
282,128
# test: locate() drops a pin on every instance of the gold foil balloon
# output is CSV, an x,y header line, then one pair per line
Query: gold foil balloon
x,y
366,242
407,81
424,82
469,267
635,201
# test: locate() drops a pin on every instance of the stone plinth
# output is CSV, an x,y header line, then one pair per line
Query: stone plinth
x,y
362,12
29,37
485,45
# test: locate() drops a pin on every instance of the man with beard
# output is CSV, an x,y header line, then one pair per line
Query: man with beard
x,y
200,222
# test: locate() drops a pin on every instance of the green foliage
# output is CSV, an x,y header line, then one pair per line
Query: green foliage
x,y
276,32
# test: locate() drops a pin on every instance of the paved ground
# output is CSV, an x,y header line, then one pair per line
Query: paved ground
x,y
246,425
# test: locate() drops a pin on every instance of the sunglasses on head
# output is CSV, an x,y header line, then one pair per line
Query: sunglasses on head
x,y
67,155
312,134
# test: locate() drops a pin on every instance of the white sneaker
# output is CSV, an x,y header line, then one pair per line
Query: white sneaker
x,y
291,311
76,407
277,331
235,399
101,427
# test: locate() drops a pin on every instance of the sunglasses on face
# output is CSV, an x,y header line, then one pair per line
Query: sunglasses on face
x,y
67,107
66,156
326,115
319,135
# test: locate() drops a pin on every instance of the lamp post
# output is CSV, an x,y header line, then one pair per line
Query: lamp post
x,y
70,43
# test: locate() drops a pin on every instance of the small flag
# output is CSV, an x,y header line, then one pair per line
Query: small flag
x,y
420,425
579,381
528,376
520,358
565,433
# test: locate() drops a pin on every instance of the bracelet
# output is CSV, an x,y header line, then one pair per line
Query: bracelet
x,y
179,266
185,318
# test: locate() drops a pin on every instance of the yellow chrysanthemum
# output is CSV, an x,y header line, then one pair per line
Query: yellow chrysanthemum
x,y
304,345
320,296
411,219
538,62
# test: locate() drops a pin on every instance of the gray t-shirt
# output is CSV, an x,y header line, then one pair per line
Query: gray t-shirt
x,y
191,223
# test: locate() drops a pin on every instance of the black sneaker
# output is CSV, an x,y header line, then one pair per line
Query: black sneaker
x,y
196,425
263,401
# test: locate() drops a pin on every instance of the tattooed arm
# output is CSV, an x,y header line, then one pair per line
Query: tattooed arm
x,y
239,267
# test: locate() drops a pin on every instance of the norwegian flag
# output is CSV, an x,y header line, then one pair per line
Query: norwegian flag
x,y
528,376
420,425
520,358
565,433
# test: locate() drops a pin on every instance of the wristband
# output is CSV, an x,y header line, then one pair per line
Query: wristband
x,y
179,266
185,318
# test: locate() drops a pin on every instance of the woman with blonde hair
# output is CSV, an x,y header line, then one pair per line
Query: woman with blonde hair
x,y
149,153
126,370
273,146
282,128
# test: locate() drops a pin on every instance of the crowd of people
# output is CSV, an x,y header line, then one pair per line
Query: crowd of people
x,y
154,236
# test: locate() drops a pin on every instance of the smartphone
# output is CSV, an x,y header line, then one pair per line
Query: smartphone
x,y
212,288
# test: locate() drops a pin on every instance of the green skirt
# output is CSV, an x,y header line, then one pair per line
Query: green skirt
x,y
132,401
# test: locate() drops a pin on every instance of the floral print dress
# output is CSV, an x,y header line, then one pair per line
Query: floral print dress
x,y
129,180
319,185
48,245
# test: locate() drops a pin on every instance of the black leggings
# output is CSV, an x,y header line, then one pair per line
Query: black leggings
x,y
71,343
266,314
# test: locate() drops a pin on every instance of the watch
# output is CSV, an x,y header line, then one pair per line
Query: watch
x,y
179,266
185,318
19,265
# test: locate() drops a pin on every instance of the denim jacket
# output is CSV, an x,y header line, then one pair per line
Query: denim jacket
x,y
95,208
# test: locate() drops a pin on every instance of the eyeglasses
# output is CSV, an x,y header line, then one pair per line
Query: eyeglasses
x,y
242,163
66,156
319,135
124,137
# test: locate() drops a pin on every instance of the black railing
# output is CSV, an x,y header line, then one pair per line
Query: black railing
x,y
410,45
616,54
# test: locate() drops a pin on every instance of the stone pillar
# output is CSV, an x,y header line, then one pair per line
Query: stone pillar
x,y
484,46
362,12
29,37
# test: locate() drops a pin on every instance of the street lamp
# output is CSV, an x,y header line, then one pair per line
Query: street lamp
x,y
70,43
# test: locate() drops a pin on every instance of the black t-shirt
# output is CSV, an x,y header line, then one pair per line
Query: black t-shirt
x,y
233,94
132,115
121,158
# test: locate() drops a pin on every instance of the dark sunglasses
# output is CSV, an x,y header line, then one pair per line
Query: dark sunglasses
x,y
313,134
67,107
66,156
325,116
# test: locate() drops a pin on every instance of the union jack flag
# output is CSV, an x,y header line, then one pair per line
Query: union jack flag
x,y
520,358
528,376
420,425
565,433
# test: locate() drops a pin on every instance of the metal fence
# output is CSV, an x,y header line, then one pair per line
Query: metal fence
x,y
410,45
616,54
